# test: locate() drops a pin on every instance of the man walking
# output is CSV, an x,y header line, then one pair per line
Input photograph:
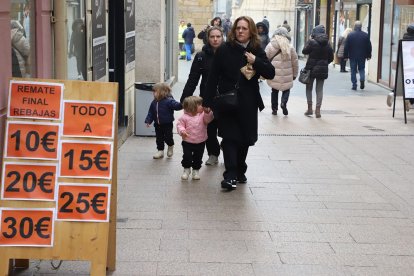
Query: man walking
x,y
358,48
188,36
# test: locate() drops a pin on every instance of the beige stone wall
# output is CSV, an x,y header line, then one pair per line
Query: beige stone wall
x,y
198,12
275,10
149,39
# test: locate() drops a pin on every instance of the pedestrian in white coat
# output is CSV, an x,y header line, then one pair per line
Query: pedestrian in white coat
x,y
285,60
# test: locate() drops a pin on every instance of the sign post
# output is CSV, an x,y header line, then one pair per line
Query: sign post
x,y
404,77
58,185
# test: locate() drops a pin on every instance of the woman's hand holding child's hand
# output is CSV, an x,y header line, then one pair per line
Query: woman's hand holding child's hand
x,y
148,125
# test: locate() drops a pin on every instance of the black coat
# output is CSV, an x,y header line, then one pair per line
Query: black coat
x,y
200,68
162,112
320,55
358,46
264,37
188,35
241,125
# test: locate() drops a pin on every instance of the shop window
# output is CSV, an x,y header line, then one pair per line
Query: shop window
x,y
22,31
76,40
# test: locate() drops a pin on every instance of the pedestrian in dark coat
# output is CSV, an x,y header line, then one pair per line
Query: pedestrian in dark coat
x,y
188,36
320,54
238,128
216,21
409,35
201,68
358,48
263,33
77,47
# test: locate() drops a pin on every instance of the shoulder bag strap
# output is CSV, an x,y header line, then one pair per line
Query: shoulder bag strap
x,y
278,52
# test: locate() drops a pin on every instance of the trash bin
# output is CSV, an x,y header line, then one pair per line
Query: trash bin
x,y
143,99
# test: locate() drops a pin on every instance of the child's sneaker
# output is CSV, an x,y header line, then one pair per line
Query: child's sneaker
x,y
185,174
170,151
159,154
196,176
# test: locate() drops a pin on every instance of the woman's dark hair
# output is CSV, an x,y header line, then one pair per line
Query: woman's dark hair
x,y
254,38
214,19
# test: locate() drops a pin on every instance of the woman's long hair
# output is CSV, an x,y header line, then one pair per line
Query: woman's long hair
x,y
254,38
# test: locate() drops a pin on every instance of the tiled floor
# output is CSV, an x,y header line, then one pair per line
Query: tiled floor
x,y
329,196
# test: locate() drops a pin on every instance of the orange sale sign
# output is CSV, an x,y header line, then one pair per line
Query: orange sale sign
x,y
32,140
86,159
26,227
28,181
83,202
88,119
35,100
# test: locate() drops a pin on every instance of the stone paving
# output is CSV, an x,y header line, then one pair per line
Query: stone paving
x,y
328,196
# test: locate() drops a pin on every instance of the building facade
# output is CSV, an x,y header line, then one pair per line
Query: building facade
x,y
102,40
197,12
385,21
276,11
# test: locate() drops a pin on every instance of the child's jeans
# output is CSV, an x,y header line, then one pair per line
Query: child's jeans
x,y
164,133
192,155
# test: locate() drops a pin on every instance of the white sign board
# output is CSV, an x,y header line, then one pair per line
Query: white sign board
x,y
408,68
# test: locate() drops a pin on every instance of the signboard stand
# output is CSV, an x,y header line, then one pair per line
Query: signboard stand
x,y
79,222
404,77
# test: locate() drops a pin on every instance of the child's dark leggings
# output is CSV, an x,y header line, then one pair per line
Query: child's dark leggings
x,y
164,134
192,155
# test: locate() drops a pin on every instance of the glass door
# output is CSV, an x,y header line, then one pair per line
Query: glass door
x,y
23,38
387,43
76,37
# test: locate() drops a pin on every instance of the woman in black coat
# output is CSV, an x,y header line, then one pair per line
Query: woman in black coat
x,y
320,55
238,128
216,21
200,68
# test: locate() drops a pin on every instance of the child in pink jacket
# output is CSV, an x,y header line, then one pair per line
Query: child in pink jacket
x,y
192,126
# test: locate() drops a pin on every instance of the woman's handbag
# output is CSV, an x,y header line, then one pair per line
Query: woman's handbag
x,y
228,101
248,71
304,76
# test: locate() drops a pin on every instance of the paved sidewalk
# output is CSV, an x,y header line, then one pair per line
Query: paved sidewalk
x,y
328,196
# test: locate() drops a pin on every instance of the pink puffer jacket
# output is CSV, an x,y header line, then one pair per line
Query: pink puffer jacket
x,y
195,126
285,70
